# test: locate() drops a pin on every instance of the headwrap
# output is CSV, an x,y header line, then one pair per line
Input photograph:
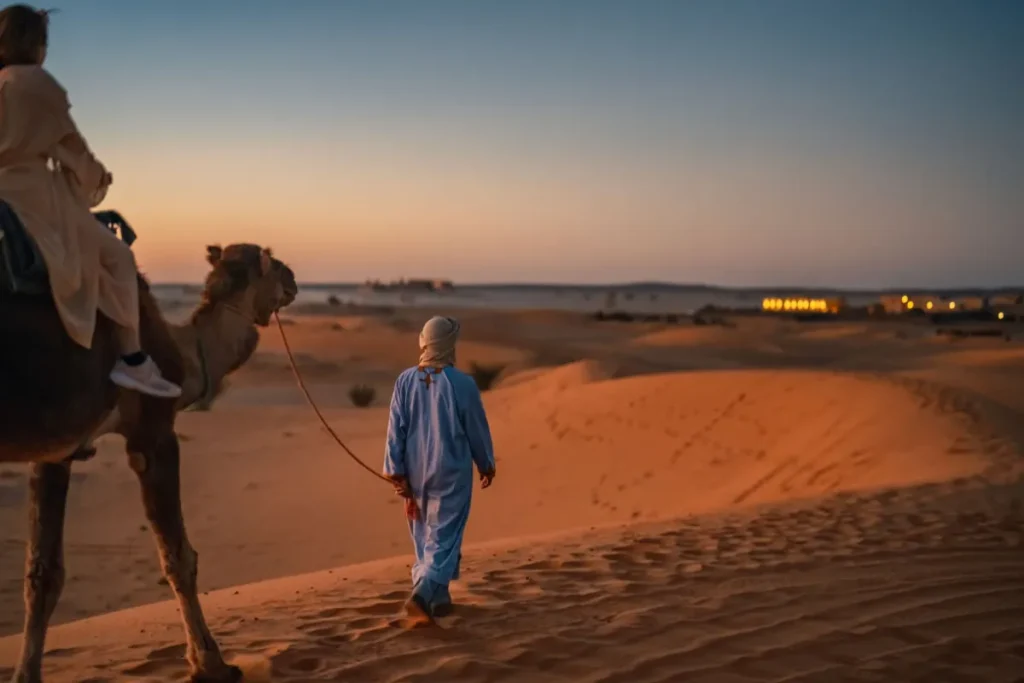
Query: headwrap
x,y
437,342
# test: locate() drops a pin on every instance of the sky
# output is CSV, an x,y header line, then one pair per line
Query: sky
x,y
865,143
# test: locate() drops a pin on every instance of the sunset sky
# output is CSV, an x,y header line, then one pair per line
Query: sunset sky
x,y
862,143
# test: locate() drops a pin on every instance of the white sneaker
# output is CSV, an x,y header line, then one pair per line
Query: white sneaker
x,y
144,378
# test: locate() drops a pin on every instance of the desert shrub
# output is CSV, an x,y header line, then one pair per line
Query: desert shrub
x,y
333,300
708,315
484,375
362,395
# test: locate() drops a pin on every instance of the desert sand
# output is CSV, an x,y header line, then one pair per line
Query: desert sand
x,y
761,501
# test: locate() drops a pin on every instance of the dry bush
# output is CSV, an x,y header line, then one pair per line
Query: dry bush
x,y
484,375
362,395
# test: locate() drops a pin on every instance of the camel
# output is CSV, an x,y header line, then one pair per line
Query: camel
x,y
55,398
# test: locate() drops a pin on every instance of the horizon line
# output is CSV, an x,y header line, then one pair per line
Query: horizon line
x,y
677,285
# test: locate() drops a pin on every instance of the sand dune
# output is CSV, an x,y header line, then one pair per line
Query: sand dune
x,y
262,495
706,337
782,523
661,445
560,378
912,585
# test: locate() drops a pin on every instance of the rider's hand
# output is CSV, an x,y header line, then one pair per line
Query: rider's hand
x,y
486,479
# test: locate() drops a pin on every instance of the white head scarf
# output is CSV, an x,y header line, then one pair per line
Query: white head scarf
x,y
437,342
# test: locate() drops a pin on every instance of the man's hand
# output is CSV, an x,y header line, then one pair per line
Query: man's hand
x,y
412,510
402,488
486,479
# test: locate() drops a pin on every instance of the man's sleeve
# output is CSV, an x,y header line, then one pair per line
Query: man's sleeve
x,y
394,450
477,429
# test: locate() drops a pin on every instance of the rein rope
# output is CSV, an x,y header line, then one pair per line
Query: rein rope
x,y
312,404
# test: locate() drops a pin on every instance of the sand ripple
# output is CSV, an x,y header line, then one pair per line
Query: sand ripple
x,y
921,584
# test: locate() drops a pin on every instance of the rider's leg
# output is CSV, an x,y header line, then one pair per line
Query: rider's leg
x,y
119,290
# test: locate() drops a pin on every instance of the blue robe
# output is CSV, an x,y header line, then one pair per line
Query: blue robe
x,y
437,431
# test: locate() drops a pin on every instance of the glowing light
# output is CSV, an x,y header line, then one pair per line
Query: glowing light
x,y
910,304
952,305
1000,316
905,298
928,305
816,305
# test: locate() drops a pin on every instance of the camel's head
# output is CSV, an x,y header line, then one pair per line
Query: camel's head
x,y
247,274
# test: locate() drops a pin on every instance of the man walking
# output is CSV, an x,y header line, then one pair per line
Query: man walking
x,y
436,433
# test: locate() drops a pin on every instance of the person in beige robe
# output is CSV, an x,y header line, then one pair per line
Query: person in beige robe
x,y
51,180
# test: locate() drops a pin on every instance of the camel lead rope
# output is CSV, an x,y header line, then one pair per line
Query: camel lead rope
x,y
411,510
312,403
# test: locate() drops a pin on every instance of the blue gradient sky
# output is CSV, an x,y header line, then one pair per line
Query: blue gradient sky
x,y
859,143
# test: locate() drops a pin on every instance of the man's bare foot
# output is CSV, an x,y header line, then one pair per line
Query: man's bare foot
x,y
416,614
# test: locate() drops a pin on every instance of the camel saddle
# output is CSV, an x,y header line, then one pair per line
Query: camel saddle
x,y
22,270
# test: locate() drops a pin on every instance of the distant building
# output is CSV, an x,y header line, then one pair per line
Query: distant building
x,y
802,305
971,303
932,303
1005,300
894,303
928,303
411,285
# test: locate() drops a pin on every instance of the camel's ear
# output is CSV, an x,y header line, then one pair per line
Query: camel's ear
x,y
213,254
266,261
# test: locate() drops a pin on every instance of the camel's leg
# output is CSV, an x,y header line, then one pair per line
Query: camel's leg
x,y
157,469
44,563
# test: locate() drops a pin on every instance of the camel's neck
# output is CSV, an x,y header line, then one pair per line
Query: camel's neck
x,y
219,339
